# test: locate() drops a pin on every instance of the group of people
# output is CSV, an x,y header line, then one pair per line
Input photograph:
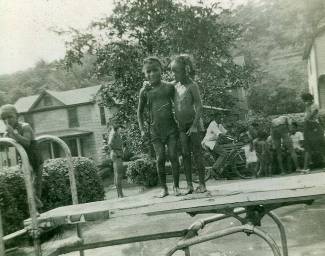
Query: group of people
x,y
174,113
284,136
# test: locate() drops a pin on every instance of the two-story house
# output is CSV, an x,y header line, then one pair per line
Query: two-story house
x,y
315,56
74,116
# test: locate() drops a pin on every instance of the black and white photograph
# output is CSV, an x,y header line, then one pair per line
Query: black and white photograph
x,y
162,127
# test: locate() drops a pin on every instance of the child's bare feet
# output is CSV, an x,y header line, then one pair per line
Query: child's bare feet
x,y
176,191
189,190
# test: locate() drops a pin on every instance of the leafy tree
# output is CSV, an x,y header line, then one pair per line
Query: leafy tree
x,y
274,99
139,28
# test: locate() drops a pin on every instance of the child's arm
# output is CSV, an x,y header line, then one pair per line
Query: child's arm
x,y
24,139
197,103
141,105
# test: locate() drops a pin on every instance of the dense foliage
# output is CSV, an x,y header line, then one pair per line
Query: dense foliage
x,y
142,172
56,186
13,199
55,192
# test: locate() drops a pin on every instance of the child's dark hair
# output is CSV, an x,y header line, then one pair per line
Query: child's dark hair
x,y
307,97
187,62
152,59
8,108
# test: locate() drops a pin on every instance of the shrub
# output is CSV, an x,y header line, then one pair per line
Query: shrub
x,y
56,186
13,199
106,169
55,191
142,172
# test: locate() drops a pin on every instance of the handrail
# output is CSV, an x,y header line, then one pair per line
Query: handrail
x,y
2,244
30,191
72,178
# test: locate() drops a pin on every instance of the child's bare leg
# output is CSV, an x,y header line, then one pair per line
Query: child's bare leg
x,y
118,168
187,161
173,157
198,156
161,160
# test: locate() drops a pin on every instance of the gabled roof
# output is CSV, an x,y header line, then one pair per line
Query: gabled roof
x,y
70,97
24,104
310,44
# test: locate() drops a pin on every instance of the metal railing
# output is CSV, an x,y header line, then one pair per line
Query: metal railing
x,y
27,170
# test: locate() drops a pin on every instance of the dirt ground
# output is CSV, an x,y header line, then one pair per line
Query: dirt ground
x,y
305,227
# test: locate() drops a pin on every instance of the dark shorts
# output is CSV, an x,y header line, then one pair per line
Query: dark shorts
x,y
159,135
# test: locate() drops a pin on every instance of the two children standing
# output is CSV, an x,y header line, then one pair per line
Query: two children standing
x,y
162,99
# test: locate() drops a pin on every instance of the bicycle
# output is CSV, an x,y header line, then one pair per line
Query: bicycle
x,y
233,166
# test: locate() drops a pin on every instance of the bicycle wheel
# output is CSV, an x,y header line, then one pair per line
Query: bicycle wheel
x,y
208,161
239,167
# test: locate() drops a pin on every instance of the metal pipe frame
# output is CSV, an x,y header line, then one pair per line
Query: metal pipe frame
x,y
34,231
199,224
72,177
2,244
30,192
248,229
283,235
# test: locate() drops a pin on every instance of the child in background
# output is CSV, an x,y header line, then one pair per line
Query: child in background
x,y
115,144
263,153
24,135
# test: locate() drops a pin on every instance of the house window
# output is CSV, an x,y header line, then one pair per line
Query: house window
x,y
75,146
102,115
73,117
56,150
47,101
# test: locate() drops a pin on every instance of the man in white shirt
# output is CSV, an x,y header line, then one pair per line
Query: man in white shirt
x,y
211,141
212,135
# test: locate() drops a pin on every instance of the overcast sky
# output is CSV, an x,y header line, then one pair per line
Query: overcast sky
x,y
25,37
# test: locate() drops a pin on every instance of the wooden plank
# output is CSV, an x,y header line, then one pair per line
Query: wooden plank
x,y
232,195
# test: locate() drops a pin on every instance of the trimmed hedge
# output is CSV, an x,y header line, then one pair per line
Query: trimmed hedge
x,y
142,172
56,186
55,190
13,199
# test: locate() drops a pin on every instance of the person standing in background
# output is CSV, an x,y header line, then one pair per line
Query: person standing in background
x,y
314,141
116,146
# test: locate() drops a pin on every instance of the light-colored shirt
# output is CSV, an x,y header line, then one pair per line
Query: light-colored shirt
x,y
296,138
212,134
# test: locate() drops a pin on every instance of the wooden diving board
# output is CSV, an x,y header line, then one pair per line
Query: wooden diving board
x,y
275,190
